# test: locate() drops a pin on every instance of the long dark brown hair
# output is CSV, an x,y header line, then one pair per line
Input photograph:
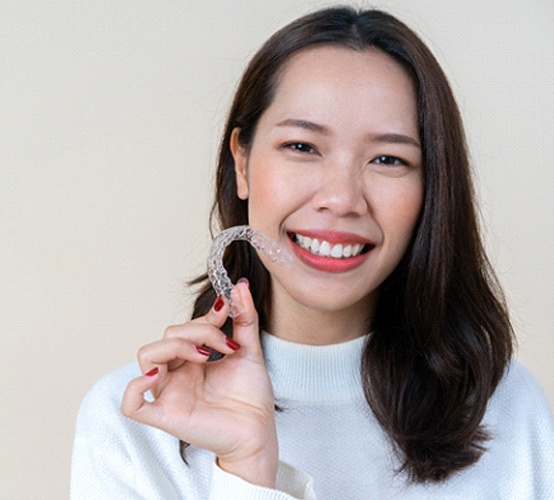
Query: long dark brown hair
x,y
441,338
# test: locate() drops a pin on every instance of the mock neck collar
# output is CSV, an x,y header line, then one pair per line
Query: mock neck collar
x,y
316,374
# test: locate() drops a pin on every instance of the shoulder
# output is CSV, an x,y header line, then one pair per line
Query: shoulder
x,y
521,401
105,440
521,424
519,385
117,457
100,409
105,395
115,381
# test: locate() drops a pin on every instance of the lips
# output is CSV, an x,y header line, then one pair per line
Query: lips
x,y
330,251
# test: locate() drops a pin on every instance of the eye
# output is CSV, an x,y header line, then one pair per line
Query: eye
x,y
300,147
389,160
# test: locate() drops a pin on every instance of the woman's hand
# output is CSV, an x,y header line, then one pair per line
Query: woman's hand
x,y
226,406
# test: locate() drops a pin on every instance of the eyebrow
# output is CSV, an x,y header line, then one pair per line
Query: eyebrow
x,y
305,124
389,138
395,139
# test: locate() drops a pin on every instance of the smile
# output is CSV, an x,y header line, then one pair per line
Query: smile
x,y
324,248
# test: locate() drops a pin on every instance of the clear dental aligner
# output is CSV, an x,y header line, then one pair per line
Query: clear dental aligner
x,y
217,273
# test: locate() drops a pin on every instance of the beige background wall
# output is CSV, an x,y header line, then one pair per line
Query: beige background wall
x,y
109,119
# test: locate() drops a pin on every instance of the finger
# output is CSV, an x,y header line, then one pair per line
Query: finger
x,y
197,331
133,404
216,317
245,325
171,352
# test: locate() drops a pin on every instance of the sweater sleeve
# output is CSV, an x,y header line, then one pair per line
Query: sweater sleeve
x,y
291,484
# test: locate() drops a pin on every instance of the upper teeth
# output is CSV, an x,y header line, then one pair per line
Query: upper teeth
x,y
325,249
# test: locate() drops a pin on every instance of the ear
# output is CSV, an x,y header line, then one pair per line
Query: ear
x,y
241,160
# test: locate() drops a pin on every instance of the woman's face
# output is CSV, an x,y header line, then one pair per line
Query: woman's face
x,y
334,174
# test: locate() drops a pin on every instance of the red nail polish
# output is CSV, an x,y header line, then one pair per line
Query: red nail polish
x,y
218,304
205,351
152,372
231,343
244,280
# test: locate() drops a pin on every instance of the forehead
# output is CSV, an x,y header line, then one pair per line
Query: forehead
x,y
330,82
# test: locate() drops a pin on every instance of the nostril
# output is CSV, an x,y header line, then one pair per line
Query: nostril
x,y
341,197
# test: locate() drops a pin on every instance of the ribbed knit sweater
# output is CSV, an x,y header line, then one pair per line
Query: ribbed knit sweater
x,y
331,447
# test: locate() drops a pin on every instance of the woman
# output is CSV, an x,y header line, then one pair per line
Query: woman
x,y
386,353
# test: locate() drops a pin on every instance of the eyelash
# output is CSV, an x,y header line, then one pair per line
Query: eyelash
x,y
300,147
385,160
305,148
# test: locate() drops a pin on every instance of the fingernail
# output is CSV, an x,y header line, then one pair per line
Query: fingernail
x,y
152,372
205,351
244,280
231,343
218,304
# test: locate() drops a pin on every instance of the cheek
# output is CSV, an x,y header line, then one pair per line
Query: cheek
x,y
398,212
274,191
409,211
264,186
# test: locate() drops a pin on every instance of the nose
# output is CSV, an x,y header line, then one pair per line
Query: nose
x,y
340,191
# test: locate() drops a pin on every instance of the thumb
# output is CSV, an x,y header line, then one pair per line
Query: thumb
x,y
246,330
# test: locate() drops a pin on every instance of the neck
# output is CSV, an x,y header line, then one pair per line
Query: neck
x,y
297,323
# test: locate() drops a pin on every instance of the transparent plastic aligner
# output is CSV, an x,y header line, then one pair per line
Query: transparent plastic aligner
x,y
217,273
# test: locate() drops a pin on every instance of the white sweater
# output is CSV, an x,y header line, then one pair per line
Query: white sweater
x,y
328,435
